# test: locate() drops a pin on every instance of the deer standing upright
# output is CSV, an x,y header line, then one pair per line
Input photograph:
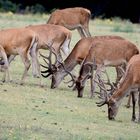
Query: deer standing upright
x,y
17,41
72,18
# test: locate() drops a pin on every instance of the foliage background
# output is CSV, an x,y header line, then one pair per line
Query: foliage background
x,y
126,9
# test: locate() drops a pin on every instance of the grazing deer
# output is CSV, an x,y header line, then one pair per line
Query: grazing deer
x,y
107,51
77,55
17,41
72,18
130,81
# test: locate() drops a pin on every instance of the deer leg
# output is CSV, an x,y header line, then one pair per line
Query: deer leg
x,y
93,85
11,58
86,30
82,34
2,63
35,62
36,65
39,71
129,101
139,104
6,76
119,75
65,46
27,64
134,103
6,65
56,47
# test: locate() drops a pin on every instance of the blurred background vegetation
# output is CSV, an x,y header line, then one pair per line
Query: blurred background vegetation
x,y
9,6
126,9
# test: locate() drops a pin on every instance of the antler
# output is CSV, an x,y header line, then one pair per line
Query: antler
x,y
73,78
103,96
112,85
92,65
50,67
121,70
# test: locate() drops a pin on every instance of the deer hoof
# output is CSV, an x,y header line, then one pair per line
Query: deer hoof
x,y
80,96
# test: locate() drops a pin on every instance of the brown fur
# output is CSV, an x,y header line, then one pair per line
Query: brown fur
x,y
130,80
72,18
107,51
77,55
55,36
17,41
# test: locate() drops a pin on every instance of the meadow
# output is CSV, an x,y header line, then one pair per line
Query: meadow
x,y
30,112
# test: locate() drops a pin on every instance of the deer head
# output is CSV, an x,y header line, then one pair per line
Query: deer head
x,y
53,69
106,99
57,78
86,72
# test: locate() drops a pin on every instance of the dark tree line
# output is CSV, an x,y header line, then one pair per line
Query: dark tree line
x,y
128,9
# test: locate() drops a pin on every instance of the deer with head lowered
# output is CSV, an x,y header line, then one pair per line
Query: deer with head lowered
x,y
76,56
107,51
16,41
129,82
72,18
79,52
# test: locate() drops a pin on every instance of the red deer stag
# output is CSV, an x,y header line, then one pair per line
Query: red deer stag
x,y
107,51
130,81
79,52
17,42
72,18
76,56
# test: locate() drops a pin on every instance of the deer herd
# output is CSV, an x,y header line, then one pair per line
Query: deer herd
x,y
94,54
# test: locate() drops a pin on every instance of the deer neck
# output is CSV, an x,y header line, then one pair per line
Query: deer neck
x,y
69,65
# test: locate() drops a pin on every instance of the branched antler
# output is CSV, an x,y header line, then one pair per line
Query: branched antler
x,y
51,68
73,78
105,96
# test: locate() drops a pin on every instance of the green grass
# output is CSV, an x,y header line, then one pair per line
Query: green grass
x,y
30,112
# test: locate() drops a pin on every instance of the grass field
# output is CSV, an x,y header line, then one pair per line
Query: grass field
x,y
30,112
